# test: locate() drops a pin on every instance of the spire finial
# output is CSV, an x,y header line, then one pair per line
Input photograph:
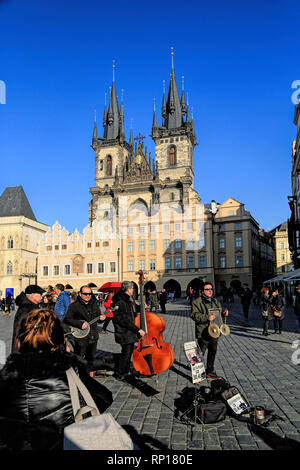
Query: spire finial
x,y
113,67
187,99
105,98
153,104
95,114
122,93
192,112
131,123
164,86
172,54
182,81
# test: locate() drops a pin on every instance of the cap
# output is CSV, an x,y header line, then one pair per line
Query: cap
x,y
34,289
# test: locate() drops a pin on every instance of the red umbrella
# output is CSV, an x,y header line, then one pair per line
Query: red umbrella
x,y
110,287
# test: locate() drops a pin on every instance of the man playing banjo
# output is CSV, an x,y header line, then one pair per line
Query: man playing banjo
x,y
80,313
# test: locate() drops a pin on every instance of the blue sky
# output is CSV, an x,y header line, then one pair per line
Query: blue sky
x,y
239,60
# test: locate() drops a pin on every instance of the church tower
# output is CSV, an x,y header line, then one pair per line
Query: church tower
x,y
175,139
111,151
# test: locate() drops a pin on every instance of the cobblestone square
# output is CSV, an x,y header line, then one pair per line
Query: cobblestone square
x,y
260,367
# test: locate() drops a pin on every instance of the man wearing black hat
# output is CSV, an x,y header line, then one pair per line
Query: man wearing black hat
x,y
26,301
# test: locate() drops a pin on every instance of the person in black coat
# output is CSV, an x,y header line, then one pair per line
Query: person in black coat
x,y
265,303
26,301
163,297
277,305
297,306
78,315
246,296
35,404
126,333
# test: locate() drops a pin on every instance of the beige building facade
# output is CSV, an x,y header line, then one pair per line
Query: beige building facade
x,y
20,233
283,256
77,259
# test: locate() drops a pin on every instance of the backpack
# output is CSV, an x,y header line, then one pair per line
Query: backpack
x,y
239,408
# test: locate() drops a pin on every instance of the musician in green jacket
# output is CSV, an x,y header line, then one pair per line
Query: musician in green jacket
x,y
202,318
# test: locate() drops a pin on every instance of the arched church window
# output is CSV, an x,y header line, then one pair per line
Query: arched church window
x,y
108,165
172,155
9,268
10,242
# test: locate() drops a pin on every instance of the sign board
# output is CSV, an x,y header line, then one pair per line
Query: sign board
x,y
9,290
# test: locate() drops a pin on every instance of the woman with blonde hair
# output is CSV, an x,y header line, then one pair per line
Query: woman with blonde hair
x,y
35,404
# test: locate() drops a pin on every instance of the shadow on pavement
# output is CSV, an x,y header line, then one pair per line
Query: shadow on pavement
x,y
144,441
273,440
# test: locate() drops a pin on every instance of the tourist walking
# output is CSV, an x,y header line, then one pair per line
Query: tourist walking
x,y
245,296
163,298
35,404
277,306
108,312
266,310
154,301
297,306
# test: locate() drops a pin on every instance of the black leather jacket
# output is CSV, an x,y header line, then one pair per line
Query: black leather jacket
x,y
124,320
35,403
80,312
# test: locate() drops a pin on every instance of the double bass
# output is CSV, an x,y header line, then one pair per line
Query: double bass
x,y
152,355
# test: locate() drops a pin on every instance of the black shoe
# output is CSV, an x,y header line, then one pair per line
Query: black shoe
x,y
119,377
211,375
277,332
265,333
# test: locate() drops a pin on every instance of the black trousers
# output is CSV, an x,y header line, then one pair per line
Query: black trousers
x,y
86,350
211,346
106,322
163,307
124,360
246,309
277,324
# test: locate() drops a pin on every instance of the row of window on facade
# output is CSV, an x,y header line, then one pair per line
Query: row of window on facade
x,y
107,165
189,226
177,263
10,242
64,246
11,269
90,268
237,225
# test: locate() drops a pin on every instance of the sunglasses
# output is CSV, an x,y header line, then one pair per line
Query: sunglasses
x,y
86,293
209,289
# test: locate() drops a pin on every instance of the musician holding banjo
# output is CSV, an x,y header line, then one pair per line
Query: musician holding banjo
x,y
202,313
82,316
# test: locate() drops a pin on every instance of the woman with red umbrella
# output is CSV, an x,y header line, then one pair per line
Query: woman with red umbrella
x,y
108,311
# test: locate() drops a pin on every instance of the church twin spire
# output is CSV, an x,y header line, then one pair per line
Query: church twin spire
x,y
174,111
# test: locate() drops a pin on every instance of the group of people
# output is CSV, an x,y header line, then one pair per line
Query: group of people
x,y
7,304
43,348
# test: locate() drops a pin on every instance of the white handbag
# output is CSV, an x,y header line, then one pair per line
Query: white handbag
x,y
97,432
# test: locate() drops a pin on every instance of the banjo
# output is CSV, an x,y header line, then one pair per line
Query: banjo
x,y
80,333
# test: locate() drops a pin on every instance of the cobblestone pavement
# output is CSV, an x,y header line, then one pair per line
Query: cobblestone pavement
x,y
261,367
